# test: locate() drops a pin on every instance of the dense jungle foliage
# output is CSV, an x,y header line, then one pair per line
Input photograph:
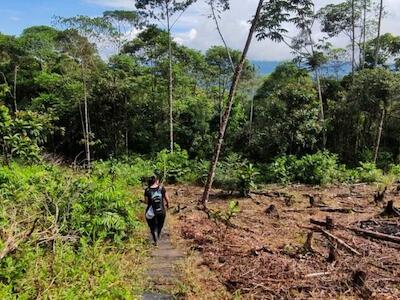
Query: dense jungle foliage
x,y
127,111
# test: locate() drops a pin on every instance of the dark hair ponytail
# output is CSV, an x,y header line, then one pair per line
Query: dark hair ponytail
x,y
152,180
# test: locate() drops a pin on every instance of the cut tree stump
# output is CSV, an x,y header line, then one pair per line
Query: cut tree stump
x,y
272,211
390,210
328,224
332,254
309,241
379,196
359,277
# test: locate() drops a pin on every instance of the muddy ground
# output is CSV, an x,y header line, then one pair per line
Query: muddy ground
x,y
262,253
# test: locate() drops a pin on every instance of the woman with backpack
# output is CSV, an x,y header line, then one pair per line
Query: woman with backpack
x,y
157,200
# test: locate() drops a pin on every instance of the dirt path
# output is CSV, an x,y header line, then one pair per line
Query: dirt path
x,y
162,273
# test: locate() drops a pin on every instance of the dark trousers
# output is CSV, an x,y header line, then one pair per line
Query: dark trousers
x,y
156,224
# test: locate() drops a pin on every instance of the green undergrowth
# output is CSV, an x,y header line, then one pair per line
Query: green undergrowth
x,y
87,240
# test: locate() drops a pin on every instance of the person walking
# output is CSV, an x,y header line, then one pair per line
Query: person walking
x,y
157,201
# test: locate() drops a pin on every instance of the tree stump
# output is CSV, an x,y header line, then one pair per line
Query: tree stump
x,y
289,200
390,210
311,200
272,211
359,277
329,223
380,196
308,244
332,254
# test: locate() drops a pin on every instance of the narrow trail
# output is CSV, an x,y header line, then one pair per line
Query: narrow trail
x,y
162,274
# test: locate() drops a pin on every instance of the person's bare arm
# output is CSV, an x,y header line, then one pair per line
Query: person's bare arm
x,y
166,199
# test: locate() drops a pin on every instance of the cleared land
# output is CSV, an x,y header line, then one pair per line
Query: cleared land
x,y
280,246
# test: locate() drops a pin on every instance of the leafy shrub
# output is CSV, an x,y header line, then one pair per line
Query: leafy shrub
x,y
228,170
199,172
225,216
133,170
368,172
23,134
247,178
281,170
319,168
394,170
172,167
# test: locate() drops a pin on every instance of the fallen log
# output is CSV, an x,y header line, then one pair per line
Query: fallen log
x,y
319,223
340,242
377,235
344,210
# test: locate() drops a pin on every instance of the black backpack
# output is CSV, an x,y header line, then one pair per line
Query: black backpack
x,y
156,198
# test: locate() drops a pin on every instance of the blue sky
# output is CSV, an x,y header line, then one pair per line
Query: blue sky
x,y
19,14
194,29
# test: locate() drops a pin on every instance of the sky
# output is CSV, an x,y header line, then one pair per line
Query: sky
x,y
193,29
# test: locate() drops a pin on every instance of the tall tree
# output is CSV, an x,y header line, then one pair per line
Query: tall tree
x,y
342,18
267,24
163,11
378,37
85,29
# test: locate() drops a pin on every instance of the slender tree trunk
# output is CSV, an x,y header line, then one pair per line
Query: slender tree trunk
x,y
86,120
364,42
353,37
378,38
171,119
379,136
221,36
225,118
16,68
251,118
321,107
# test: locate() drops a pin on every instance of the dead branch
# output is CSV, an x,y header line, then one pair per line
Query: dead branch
x,y
376,235
344,210
317,274
13,242
340,242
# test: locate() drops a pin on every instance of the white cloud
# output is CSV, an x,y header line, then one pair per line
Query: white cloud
x,y
122,4
195,29
185,37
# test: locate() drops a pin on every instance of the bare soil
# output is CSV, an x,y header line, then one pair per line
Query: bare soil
x,y
261,252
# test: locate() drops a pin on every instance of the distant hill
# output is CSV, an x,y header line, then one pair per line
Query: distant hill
x,y
265,67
